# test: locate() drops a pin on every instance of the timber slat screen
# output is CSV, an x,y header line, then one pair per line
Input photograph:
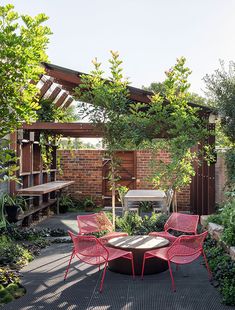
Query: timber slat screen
x,y
126,172
202,190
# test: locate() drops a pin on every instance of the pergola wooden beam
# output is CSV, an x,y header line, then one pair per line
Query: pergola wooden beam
x,y
67,103
45,87
75,130
70,79
54,93
61,100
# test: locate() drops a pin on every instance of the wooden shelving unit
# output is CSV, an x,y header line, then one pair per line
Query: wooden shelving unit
x,y
31,174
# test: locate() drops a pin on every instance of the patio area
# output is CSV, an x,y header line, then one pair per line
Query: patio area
x,y
43,280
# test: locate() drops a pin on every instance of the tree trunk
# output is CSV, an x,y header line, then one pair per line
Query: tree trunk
x,y
174,202
113,205
113,189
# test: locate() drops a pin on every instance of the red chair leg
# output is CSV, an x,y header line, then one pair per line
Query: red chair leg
x,y
67,270
143,265
132,267
103,276
172,279
207,266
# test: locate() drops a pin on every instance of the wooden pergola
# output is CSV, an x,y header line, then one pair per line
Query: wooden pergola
x,y
60,82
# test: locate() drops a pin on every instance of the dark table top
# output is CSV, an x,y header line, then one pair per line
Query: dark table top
x,y
138,242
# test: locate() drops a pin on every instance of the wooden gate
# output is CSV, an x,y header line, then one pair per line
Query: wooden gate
x,y
202,191
126,172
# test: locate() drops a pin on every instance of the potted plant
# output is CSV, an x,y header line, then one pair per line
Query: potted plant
x,y
65,202
13,206
89,204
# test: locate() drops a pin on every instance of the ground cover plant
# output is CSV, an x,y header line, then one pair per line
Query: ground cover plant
x,y
226,217
18,246
223,270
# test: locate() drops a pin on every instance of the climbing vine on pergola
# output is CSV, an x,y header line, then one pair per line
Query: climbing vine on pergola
x,y
136,125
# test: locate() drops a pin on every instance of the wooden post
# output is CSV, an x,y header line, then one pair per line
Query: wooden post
x,y
13,146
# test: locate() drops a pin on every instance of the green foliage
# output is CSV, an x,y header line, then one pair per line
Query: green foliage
x,y
185,130
226,218
130,223
230,164
108,98
65,202
223,269
12,253
221,90
50,113
89,204
8,162
10,289
122,190
14,200
23,43
8,276
145,206
134,224
155,222
128,125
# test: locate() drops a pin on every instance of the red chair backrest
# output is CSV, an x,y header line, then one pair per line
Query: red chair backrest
x,y
186,249
88,224
92,223
182,222
89,249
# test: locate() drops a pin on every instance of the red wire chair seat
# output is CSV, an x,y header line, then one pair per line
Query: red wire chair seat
x,y
185,223
90,250
95,223
184,250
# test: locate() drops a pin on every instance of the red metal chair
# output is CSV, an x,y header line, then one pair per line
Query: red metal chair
x,y
184,250
97,222
186,223
91,251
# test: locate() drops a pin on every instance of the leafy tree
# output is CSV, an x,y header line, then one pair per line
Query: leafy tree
x,y
131,125
221,90
169,115
108,103
158,87
23,43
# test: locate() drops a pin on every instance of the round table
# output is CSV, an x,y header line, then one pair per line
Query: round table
x,y
138,245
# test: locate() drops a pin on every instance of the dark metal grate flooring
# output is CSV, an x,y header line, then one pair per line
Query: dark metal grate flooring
x,y
43,279
46,289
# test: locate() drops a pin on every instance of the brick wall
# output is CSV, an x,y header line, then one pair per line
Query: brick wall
x,y
85,168
144,171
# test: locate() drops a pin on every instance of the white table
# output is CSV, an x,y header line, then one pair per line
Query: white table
x,y
144,195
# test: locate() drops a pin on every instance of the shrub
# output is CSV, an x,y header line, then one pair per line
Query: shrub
x,y
226,217
65,202
12,253
133,224
8,276
130,223
223,269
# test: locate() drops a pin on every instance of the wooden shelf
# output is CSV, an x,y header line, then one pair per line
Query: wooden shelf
x,y
34,210
45,188
22,174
